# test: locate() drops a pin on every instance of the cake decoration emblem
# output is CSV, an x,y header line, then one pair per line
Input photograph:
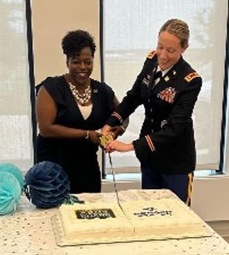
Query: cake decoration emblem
x,y
95,213
151,211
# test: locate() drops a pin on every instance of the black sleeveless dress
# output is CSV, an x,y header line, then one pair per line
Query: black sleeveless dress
x,y
78,157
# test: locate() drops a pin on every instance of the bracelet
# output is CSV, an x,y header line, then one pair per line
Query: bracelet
x,y
87,134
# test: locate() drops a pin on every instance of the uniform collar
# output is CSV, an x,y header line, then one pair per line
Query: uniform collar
x,y
172,72
163,72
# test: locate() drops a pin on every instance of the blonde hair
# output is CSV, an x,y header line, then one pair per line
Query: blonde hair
x,y
178,28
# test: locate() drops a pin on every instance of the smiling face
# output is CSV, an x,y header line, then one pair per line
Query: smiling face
x,y
168,50
81,66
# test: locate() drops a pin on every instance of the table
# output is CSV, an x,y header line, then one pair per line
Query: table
x,y
29,231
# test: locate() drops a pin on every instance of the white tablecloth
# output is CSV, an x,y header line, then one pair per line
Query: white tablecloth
x,y
29,231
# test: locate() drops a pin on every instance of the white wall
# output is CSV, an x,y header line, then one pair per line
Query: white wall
x,y
51,20
210,198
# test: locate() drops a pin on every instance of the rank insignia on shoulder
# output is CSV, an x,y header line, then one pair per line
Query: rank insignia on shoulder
x,y
191,76
151,54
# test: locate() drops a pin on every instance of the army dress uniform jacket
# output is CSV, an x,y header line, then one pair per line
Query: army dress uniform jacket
x,y
166,140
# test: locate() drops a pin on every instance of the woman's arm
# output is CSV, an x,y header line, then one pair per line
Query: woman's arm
x,y
119,129
46,112
126,121
119,146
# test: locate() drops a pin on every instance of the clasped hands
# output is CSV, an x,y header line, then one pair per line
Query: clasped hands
x,y
106,139
109,134
109,143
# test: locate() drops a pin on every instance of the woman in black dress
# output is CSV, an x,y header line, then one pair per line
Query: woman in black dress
x,y
70,108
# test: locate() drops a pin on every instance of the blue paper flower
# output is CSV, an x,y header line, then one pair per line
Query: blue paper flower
x,y
46,184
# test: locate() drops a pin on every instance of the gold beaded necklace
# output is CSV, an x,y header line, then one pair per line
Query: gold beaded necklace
x,y
82,99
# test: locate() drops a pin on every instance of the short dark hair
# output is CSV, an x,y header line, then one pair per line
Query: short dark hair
x,y
74,41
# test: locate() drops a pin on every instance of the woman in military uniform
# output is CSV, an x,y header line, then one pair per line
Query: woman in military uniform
x,y
168,88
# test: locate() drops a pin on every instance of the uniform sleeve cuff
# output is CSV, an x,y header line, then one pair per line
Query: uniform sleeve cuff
x,y
141,150
113,121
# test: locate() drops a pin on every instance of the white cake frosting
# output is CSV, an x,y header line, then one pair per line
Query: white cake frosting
x,y
78,224
163,218
136,220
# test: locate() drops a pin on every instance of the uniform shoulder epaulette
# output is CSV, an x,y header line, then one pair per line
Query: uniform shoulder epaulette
x,y
191,76
151,54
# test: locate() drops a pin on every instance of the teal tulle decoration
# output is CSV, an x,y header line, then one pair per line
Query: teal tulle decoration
x,y
10,192
10,168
